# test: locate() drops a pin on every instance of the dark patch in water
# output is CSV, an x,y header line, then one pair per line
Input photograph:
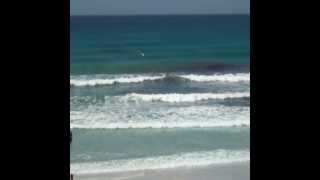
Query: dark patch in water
x,y
245,101
218,68
172,79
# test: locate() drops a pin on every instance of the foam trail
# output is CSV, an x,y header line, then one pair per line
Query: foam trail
x,y
175,98
158,125
125,117
193,159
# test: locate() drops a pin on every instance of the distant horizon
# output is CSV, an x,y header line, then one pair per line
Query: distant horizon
x,y
195,14
155,7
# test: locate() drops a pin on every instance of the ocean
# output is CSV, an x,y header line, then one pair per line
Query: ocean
x,y
154,92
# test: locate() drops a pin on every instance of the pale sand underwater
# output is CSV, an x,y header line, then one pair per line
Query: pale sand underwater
x,y
234,171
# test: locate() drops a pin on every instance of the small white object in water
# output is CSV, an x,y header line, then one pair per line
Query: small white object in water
x,y
141,53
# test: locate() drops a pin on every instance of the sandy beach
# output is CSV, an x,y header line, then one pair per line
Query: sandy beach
x,y
234,171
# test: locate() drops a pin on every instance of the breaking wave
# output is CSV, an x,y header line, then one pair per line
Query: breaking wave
x,y
175,97
96,80
125,117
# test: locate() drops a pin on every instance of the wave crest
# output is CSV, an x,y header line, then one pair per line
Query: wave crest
x,y
96,80
218,77
93,81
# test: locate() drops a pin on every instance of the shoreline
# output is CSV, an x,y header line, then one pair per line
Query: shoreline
x,y
232,171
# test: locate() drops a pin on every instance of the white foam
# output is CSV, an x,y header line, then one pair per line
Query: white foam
x,y
124,116
175,97
192,159
218,77
93,81
107,79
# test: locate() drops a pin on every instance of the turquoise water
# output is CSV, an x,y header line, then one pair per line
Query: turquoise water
x,y
151,92
169,43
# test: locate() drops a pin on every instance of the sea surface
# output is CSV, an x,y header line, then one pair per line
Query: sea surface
x,y
153,92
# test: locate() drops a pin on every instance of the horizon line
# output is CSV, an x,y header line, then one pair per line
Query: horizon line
x,y
159,14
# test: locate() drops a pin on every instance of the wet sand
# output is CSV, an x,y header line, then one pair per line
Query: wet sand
x,y
235,171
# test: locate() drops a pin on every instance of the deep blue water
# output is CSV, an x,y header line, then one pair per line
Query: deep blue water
x,y
114,44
